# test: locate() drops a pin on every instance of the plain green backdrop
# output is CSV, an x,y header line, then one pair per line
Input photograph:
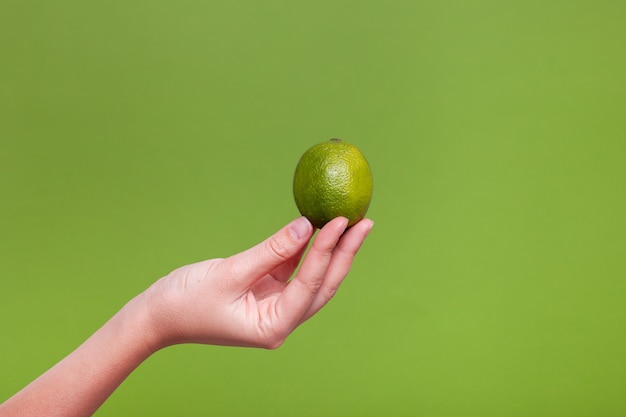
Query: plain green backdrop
x,y
139,136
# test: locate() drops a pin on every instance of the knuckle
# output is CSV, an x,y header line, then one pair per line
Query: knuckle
x,y
329,293
326,294
272,339
312,286
322,247
274,344
278,248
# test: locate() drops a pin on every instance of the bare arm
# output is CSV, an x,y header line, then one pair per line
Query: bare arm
x,y
245,300
82,381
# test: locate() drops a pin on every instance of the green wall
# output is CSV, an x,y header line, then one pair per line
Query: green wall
x,y
139,136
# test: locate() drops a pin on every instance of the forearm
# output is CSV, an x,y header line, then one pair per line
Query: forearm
x,y
248,299
83,380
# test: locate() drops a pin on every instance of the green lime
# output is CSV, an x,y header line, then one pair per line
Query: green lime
x,y
333,179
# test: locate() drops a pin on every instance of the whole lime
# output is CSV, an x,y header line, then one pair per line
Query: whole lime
x,y
333,179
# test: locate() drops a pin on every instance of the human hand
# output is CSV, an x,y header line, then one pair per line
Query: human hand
x,y
244,300
248,299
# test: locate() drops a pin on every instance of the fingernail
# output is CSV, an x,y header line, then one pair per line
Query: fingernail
x,y
300,228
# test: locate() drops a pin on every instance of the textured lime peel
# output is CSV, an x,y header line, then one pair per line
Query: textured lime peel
x,y
333,179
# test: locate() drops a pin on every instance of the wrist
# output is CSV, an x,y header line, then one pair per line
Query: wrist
x,y
155,313
139,318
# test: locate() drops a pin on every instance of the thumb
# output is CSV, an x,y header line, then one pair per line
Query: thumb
x,y
250,265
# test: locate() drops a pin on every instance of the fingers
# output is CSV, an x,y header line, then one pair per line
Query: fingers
x,y
301,292
340,264
284,246
283,272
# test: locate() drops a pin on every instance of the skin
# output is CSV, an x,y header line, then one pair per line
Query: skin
x,y
245,300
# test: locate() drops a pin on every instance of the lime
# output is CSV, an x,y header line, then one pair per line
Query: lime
x,y
333,179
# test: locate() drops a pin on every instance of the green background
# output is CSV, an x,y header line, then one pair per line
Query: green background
x,y
139,136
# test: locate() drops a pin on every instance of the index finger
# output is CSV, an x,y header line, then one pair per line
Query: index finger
x,y
302,290
340,264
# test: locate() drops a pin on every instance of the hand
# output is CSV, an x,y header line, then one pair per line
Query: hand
x,y
244,300
248,299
